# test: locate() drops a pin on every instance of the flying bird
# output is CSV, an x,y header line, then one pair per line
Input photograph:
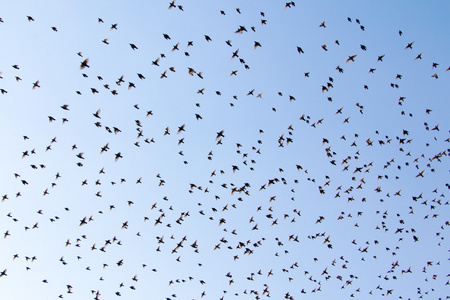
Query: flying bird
x,y
351,58
409,46
84,64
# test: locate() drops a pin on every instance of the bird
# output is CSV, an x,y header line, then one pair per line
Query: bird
x,y
220,135
120,80
155,62
181,128
235,54
36,85
191,71
84,64
351,58
118,155
409,46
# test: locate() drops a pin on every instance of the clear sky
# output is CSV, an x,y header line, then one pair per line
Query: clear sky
x,y
224,149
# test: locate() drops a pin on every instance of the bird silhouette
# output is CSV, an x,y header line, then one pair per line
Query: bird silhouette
x,y
84,64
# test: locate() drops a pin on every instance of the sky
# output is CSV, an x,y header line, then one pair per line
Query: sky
x,y
224,150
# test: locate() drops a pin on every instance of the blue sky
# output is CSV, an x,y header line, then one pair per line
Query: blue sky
x,y
328,196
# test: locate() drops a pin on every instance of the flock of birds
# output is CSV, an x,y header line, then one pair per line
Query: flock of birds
x,y
255,238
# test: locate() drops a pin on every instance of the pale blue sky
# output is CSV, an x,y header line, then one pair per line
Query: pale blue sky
x,y
363,187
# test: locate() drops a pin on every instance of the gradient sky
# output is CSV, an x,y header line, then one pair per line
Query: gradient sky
x,y
340,178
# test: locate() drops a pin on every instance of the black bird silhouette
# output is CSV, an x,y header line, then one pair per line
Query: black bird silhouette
x,y
118,155
351,58
409,46
84,64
